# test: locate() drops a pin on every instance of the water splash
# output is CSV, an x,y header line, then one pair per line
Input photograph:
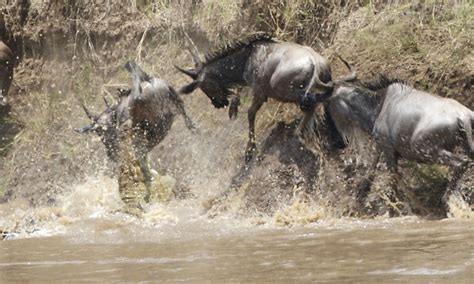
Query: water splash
x,y
458,207
93,205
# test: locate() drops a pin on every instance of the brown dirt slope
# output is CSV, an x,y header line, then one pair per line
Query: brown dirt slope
x,y
75,52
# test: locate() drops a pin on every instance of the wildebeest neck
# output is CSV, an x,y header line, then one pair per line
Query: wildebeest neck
x,y
229,70
227,64
381,83
365,105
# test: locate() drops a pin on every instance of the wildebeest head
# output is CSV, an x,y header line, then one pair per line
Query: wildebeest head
x,y
104,125
207,81
100,123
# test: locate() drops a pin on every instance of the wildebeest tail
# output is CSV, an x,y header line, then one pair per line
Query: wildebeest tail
x,y
308,100
325,72
135,70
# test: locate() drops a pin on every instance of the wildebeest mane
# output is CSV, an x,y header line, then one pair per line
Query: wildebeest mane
x,y
364,98
381,82
233,46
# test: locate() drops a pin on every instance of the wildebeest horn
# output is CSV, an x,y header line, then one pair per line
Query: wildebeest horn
x,y
196,58
135,70
85,129
191,73
194,51
353,75
107,104
88,112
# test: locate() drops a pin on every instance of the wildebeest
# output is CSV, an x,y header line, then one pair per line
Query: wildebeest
x,y
405,123
284,71
6,65
105,126
150,106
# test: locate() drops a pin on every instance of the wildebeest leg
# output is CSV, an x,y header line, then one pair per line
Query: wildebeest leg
x,y
180,106
302,127
252,112
452,186
466,135
307,106
370,177
366,183
394,195
459,165
234,105
447,157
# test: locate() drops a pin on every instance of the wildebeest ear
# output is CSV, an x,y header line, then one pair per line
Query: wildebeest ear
x,y
189,88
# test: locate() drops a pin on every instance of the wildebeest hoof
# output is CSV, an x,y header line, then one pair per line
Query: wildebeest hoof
x,y
250,152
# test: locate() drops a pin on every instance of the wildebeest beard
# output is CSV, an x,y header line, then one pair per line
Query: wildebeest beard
x,y
217,93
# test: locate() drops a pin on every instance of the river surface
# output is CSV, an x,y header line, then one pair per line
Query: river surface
x,y
390,250
84,236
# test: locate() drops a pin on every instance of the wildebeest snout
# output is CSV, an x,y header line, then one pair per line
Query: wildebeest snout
x,y
307,102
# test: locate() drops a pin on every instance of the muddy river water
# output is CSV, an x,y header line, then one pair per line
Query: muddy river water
x,y
376,251
85,237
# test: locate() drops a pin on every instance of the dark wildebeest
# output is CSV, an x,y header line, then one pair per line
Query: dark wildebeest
x,y
6,65
284,71
405,123
150,107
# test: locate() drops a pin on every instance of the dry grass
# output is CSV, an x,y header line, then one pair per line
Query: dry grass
x,y
430,45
